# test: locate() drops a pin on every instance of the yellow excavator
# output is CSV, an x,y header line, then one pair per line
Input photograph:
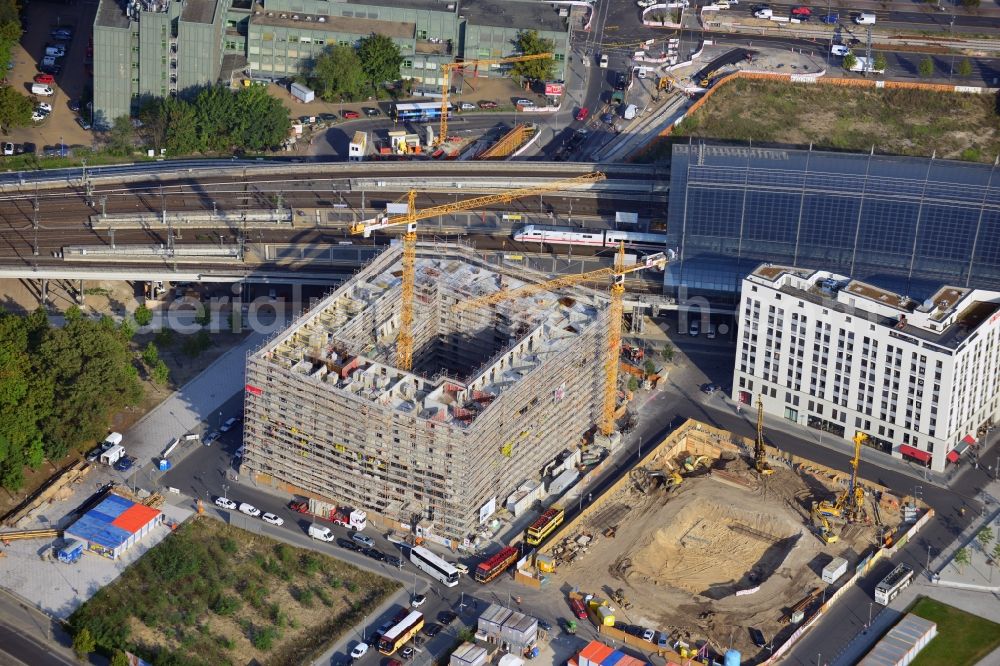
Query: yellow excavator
x,y
822,525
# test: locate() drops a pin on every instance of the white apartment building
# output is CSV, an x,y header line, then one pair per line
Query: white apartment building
x,y
922,380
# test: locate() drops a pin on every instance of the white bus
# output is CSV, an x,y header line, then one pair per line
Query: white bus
x,y
433,565
893,584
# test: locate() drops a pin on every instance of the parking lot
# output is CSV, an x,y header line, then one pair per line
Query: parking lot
x,y
60,125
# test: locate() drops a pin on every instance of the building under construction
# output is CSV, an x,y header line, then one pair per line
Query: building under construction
x,y
495,394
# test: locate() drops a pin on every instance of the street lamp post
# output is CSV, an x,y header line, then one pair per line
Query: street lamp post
x,y
951,34
225,490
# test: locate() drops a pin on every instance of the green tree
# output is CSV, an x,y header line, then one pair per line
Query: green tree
x,y
926,67
160,372
879,62
380,59
151,354
996,554
83,643
970,3
121,137
10,29
964,68
120,659
985,536
649,367
35,455
15,108
260,121
176,126
850,61
667,352
204,316
528,42
143,315
962,558
337,74
633,384
215,117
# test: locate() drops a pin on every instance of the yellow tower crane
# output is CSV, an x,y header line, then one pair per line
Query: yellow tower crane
x,y
614,341
404,344
448,67
759,452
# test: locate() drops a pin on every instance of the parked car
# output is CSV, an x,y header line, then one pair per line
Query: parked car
x,y
38,116
710,388
351,115
74,105
544,626
646,3
44,107
839,50
467,106
44,78
211,437
694,329
832,19
648,634
488,104
8,148
663,642
524,102
757,636
418,600
94,453
327,117
801,11
608,118
582,113
359,650
273,519
124,463
372,112
228,425
249,509
373,553
363,540
348,544
603,63
225,503
407,652
393,561
446,617
432,630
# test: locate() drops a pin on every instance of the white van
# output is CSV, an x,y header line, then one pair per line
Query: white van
x,y
41,89
765,13
865,18
321,532
630,112
55,51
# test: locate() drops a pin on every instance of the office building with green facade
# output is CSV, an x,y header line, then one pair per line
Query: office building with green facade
x,y
160,48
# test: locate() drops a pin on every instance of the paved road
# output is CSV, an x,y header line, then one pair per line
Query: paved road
x,y
31,638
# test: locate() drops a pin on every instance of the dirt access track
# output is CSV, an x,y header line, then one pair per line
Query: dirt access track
x,y
721,552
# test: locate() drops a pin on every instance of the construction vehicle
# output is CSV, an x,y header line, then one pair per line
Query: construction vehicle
x,y
618,596
822,525
448,67
851,503
759,450
611,361
691,463
569,626
404,343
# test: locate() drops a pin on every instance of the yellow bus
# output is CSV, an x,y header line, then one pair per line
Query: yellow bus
x,y
544,526
402,632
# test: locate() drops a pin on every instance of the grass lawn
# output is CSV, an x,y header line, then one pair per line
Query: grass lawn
x,y
212,594
962,640
895,122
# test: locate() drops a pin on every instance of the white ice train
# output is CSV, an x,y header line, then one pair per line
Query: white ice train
x,y
542,233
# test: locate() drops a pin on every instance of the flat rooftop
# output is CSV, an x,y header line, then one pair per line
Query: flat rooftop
x,y
199,11
513,14
111,14
462,361
430,5
333,23
946,319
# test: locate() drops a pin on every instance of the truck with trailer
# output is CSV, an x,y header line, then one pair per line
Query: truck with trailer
x,y
353,519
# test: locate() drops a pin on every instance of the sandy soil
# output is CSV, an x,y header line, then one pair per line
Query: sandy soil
x,y
681,556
